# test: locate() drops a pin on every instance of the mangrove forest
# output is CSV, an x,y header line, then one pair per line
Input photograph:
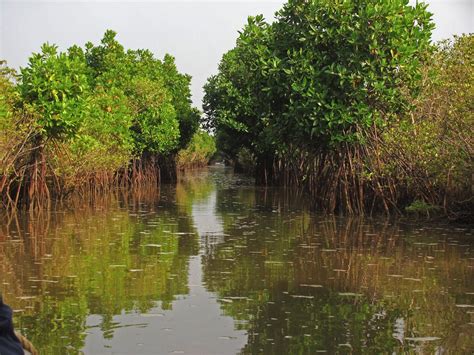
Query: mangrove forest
x,y
352,102
93,118
207,180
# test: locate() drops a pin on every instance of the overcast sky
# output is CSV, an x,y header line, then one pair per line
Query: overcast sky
x,y
197,33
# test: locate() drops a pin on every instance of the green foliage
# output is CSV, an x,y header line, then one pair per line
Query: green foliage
x,y
16,126
199,151
54,86
104,141
159,96
434,146
352,101
178,86
419,206
6,119
91,111
321,74
155,128
6,95
188,125
246,160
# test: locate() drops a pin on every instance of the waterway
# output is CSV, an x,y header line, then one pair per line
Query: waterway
x,y
214,265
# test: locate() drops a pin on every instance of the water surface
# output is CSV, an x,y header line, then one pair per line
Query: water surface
x,y
214,265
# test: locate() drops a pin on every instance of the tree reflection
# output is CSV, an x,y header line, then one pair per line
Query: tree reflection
x,y
123,254
300,283
295,281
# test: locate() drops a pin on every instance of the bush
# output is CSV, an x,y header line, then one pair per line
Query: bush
x,y
310,95
88,118
199,151
431,151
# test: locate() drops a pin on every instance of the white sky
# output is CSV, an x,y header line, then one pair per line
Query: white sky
x,y
197,33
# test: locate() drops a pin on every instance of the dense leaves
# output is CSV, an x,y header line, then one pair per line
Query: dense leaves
x,y
158,95
199,151
85,114
350,100
54,86
320,74
434,146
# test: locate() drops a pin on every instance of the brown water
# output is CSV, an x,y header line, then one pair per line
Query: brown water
x,y
213,265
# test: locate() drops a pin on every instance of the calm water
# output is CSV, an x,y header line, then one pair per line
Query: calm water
x,y
213,265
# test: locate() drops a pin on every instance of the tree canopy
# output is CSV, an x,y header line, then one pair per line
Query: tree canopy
x,y
320,74
86,112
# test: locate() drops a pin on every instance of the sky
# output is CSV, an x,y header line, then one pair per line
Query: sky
x,y
195,32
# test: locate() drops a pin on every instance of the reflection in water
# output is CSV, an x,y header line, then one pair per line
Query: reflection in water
x,y
214,265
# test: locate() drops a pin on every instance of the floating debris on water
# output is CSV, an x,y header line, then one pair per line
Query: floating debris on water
x,y
350,294
422,339
152,315
411,279
302,296
226,300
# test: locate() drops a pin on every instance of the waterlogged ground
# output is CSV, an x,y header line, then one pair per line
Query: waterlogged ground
x,y
213,265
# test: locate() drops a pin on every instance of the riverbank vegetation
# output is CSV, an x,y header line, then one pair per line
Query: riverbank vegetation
x,y
198,152
90,118
352,103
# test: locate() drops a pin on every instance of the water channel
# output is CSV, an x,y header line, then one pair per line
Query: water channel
x,y
215,265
